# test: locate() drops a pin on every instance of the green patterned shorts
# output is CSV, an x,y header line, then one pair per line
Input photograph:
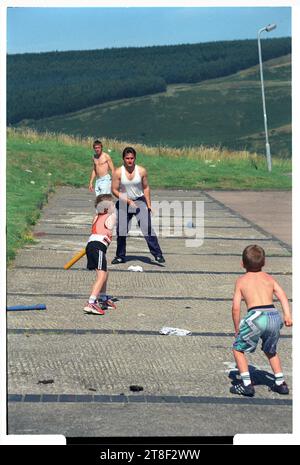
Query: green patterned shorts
x,y
264,324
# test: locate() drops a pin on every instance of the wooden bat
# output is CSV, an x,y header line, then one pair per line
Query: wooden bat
x,y
75,259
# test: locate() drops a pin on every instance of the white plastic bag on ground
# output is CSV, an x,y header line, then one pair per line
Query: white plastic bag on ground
x,y
135,268
167,331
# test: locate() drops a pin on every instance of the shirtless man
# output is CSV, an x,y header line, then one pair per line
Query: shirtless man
x,y
102,164
263,320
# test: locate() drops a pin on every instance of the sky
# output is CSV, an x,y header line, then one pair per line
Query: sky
x,y
49,29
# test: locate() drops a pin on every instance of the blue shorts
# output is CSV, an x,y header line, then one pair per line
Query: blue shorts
x,y
259,323
103,185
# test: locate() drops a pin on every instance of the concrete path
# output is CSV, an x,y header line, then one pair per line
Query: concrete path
x,y
271,210
70,373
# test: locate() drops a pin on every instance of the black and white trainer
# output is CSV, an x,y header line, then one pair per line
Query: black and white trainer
x,y
242,390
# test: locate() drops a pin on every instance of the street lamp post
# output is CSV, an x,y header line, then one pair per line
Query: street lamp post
x,y
268,28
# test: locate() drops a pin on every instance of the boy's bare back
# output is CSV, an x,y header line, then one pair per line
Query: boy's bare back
x,y
257,288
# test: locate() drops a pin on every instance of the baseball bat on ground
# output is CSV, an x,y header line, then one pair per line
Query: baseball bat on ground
x,y
75,259
27,307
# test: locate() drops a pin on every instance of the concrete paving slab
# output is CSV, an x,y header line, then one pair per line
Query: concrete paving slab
x,y
271,210
165,233
213,262
144,284
177,246
132,314
138,420
111,363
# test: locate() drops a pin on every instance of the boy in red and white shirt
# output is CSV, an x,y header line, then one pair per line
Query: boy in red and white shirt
x,y
96,248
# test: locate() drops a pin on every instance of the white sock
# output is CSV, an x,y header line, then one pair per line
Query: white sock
x,y
246,378
279,379
92,299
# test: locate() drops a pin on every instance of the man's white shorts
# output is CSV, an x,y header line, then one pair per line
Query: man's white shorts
x,y
103,185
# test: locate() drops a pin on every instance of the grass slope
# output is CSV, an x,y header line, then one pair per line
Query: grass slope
x,y
221,112
37,163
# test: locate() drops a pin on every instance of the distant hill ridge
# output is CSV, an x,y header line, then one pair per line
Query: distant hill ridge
x,y
55,83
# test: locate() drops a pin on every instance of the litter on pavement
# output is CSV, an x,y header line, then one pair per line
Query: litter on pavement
x,y
135,268
167,331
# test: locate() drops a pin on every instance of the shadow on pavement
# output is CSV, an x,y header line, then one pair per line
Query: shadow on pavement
x,y
131,258
258,377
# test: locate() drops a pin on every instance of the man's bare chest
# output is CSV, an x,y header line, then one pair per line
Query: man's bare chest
x,y
100,161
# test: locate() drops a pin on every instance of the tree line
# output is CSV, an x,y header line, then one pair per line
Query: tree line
x,y
55,83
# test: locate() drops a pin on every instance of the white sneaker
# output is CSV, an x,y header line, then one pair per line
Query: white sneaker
x,y
94,309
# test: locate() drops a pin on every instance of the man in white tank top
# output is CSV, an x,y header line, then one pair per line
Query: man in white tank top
x,y
130,186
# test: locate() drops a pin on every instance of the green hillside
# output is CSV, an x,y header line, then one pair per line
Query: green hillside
x,y
40,85
223,112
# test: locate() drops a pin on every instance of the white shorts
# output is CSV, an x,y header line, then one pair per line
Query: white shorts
x,y
103,185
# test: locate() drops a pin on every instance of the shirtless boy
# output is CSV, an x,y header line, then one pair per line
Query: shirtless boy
x,y
263,320
102,164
